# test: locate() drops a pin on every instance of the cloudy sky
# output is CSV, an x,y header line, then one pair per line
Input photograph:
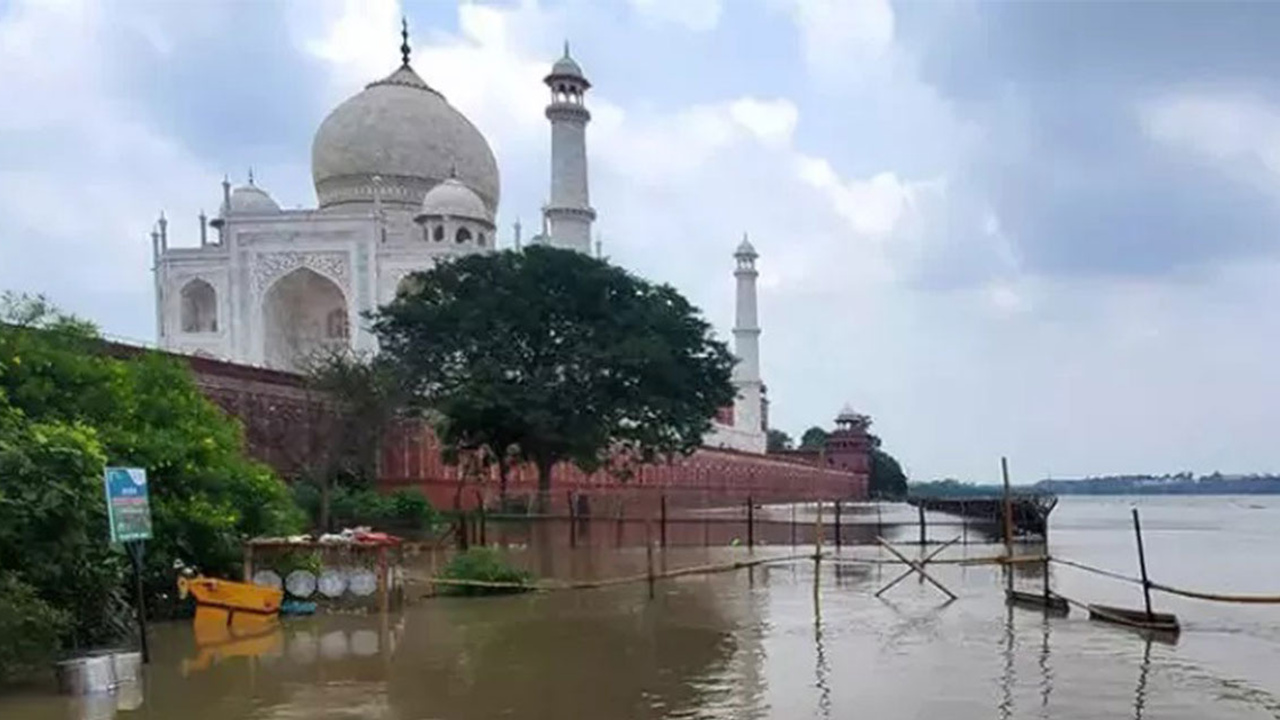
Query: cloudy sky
x,y
1033,229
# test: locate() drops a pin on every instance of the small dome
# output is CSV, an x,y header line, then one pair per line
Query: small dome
x,y
567,68
745,249
454,199
402,130
251,200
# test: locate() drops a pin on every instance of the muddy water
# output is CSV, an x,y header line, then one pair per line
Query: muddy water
x,y
762,644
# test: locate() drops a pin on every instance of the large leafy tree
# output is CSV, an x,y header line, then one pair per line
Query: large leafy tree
x,y
887,477
550,355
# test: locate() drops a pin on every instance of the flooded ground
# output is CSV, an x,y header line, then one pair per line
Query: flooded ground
x,y
763,644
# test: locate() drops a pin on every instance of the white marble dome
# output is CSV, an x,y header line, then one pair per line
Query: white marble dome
x,y
251,200
451,198
404,132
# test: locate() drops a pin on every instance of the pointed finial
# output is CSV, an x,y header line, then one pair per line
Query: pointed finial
x,y
250,174
453,171
566,48
404,41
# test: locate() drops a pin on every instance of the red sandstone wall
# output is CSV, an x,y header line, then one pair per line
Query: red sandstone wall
x,y
279,415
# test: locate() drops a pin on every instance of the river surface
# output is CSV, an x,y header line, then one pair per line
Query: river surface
x,y
762,644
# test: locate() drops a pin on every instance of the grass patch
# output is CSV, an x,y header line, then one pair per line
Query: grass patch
x,y
482,564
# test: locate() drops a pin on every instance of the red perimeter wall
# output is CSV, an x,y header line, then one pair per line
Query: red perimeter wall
x,y
278,412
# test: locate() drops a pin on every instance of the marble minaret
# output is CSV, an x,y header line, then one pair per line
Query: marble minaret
x,y
568,213
749,410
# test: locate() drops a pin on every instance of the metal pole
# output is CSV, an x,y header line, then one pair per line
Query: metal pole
x,y
1142,564
135,558
751,523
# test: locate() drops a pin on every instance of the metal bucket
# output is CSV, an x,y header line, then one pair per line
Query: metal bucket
x,y
101,671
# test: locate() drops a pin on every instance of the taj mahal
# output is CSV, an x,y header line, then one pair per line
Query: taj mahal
x,y
403,181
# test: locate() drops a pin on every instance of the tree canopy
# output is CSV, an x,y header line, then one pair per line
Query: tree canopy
x,y
813,438
549,355
66,410
777,440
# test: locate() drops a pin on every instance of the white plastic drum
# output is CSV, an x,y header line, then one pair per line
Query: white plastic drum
x,y
362,582
300,583
332,583
267,578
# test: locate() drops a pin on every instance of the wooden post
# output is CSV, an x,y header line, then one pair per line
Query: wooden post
x,y
964,522
923,533
463,540
648,550
838,543
617,540
1046,562
384,589
484,540
817,534
751,523
573,520
1008,523
1142,564
793,524
662,514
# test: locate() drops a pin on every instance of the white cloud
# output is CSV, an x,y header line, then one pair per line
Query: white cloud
x,y
838,37
1238,132
695,15
874,207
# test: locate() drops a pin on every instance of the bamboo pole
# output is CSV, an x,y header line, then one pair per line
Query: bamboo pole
x,y
916,566
927,559
662,513
924,535
573,520
1008,520
793,524
1142,564
751,523
648,550
838,540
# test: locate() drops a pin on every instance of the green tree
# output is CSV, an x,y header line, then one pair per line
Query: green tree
x,y
887,477
69,409
550,355
813,439
777,440
355,397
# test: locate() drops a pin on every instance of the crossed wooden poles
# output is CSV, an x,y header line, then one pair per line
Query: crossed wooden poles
x,y
916,567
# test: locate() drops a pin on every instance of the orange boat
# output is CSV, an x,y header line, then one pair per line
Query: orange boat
x,y
228,610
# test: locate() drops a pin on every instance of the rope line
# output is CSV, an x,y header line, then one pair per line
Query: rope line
x,y
1195,594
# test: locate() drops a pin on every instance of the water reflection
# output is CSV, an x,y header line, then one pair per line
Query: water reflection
x,y
822,670
1140,696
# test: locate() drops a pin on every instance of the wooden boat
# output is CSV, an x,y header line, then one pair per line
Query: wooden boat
x,y
1053,603
1156,622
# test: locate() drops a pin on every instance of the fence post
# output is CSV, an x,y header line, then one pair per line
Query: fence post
x,y
648,550
793,524
838,542
924,536
662,514
751,523
1142,564
484,540
621,509
573,520
1008,523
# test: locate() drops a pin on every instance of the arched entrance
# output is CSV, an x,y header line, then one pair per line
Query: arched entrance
x,y
303,315
199,312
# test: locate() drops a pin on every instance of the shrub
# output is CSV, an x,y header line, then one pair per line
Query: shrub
x,y
406,509
484,564
31,628
411,509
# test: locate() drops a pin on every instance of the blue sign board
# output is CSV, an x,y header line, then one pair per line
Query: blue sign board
x,y
128,508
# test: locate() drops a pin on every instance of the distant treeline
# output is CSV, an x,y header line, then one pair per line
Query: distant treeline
x,y
1175,484
1179,484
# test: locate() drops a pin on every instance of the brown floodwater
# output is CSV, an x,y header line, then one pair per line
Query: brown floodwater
x,y
761,643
